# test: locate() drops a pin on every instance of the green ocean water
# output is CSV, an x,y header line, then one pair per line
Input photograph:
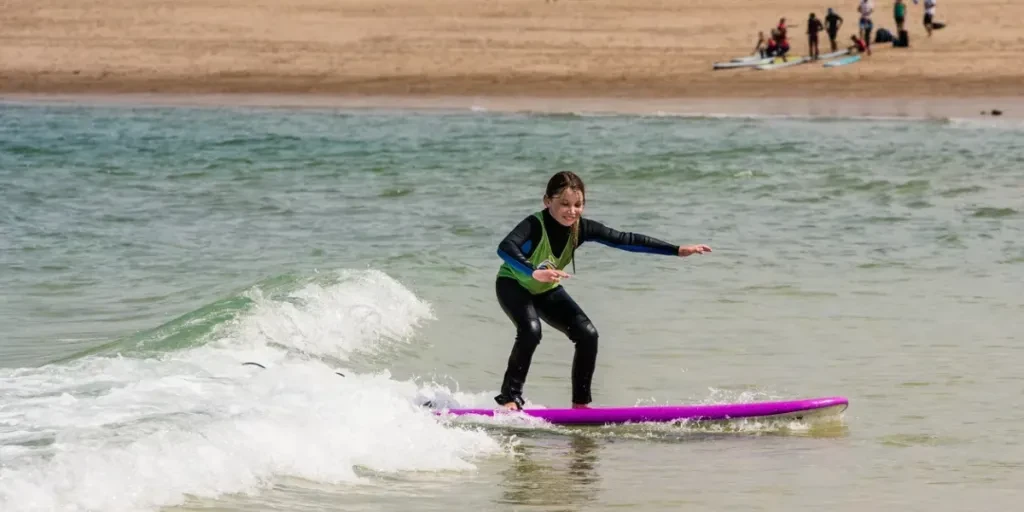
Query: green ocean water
x,y
145,253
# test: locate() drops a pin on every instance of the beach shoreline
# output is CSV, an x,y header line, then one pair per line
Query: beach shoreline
x,y
1010,107
617,55
699,81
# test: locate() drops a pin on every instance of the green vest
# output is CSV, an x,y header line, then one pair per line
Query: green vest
x,y
541,257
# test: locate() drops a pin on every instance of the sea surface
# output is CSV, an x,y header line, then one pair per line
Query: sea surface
x,y
147,253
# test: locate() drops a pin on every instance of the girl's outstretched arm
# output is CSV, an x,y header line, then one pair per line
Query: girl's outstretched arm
x,y
591,230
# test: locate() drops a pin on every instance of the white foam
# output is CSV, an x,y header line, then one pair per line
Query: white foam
x,y
120,434
988,123
361,311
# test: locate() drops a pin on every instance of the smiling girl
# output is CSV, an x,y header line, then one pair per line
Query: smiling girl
x,y
529,282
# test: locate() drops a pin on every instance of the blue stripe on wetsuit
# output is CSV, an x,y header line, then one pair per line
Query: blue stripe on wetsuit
x,y
516,264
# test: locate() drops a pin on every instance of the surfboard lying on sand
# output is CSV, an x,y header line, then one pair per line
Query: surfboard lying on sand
x,y
744,63
842,61
790,409
832,55
793,61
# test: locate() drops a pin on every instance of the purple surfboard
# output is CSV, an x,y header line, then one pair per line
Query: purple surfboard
x,y
794,409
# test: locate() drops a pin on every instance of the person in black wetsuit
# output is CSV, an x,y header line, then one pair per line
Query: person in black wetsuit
x,y
833,22
529,289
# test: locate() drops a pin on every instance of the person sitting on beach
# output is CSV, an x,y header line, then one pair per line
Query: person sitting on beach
x,y
858,45
833,22
762,45
779,43
813,27
782,50
866,8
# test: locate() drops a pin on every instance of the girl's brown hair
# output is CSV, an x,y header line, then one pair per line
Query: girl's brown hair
x,y
558,184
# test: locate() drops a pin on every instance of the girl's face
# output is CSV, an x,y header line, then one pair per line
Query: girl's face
x,y
566,207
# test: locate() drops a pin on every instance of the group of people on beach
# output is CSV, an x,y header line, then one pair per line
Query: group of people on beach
x,y
778,44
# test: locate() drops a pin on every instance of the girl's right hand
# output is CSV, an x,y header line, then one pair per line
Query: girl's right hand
x,y
549,275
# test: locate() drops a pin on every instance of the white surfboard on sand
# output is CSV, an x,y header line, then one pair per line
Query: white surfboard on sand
x,y
741,63
800,60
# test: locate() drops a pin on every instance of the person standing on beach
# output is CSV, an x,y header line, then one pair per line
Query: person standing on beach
x,y
833,22
866,8
813,27
929,15
899,13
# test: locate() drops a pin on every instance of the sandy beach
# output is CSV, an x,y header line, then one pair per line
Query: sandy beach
x,y
611,49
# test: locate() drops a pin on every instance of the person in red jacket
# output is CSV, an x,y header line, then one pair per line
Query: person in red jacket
x,y
859,46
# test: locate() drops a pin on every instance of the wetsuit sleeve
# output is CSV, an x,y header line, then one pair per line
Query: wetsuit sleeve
x,y
591,230
515,247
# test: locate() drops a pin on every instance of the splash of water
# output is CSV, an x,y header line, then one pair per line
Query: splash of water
x,y
140,433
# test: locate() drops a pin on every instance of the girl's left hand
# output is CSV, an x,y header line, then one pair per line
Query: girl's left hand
x,y
687,250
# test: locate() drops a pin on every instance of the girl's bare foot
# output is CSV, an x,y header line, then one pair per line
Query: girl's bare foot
x,y
580,406
511,406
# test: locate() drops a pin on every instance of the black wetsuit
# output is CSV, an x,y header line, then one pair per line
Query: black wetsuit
x,y
555,306
832,25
